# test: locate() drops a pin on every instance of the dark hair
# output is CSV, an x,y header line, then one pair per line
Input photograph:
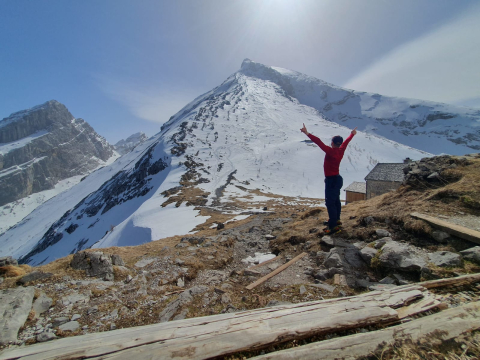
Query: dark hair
x,y
337,140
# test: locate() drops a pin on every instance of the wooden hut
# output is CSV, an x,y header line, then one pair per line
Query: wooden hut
x,y
356,191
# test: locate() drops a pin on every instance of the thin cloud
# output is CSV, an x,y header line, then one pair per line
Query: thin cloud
x,y
443,65
152,104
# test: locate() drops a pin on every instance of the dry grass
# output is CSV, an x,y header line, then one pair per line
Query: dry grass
x,y
13,271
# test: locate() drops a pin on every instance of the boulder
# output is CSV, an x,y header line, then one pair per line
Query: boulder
x,y
15,305
472,254
95,264
403,257
445,259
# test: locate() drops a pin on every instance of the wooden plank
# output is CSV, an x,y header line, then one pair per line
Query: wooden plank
x,y
452,229
457,281
223,334
445,325
275,272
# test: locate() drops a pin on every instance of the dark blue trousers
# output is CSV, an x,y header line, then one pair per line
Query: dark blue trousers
x,y
333,185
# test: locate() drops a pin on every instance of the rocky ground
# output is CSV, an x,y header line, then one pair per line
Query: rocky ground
x,y
207,273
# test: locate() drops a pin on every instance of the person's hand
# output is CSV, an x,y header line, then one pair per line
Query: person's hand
x,y
304,130
354,131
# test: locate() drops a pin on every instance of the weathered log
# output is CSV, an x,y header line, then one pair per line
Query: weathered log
x,y
442,326
219,335
448,227
275,272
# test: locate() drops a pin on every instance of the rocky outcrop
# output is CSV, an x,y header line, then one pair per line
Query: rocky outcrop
x,y
43,145
96,264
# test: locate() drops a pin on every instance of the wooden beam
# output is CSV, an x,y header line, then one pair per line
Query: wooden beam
x,y
275,272
448,227
224,334
442,326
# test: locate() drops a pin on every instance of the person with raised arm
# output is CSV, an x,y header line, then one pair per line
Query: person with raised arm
x,y
333,180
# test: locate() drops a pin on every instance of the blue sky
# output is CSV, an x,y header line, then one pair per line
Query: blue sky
x,y
127,66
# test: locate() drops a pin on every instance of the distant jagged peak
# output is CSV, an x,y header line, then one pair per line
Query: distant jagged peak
x,y
126,145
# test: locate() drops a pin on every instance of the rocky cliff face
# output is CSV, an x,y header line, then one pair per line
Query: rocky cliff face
x,y
43,145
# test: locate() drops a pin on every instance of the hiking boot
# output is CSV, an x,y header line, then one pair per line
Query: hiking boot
x,y
335,230
339,223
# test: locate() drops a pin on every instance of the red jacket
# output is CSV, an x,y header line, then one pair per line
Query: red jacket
x,y
333,156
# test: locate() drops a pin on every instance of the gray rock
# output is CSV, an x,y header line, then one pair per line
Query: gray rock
x,y
1,280
92,310
440,236
75,317
354,257
303,290
7,260
33,276
368,253
183,299
194,240
472,254
334,259
15,305
382,233
143,263
70,326
180,282
95,264
179,262
46,336
42,304
117,260
445,259
401,257
60,321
